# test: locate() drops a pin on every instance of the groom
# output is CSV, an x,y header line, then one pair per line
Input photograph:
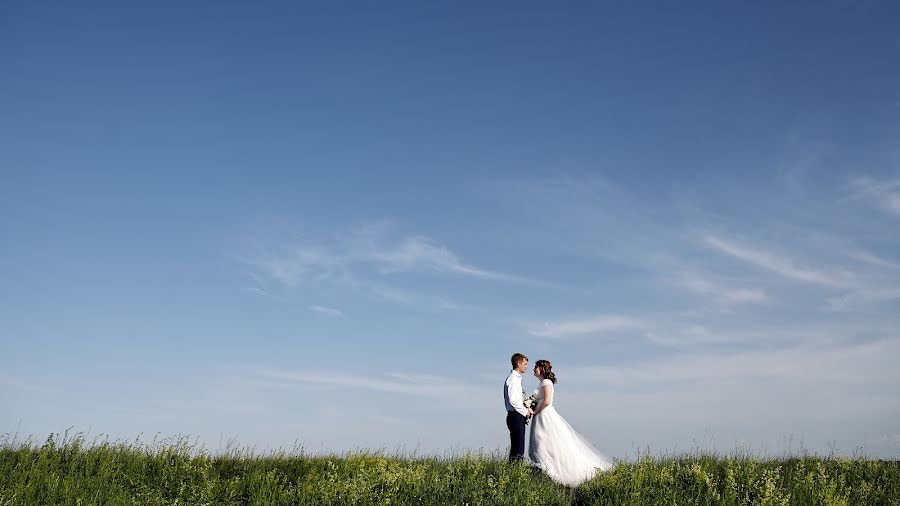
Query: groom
x,y
516,412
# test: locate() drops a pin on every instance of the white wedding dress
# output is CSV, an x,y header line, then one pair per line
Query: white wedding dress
x,y
558,450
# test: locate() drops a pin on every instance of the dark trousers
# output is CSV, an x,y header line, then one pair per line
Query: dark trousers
x,y
516,425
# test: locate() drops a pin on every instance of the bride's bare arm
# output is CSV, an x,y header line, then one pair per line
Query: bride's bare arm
x,y
548,398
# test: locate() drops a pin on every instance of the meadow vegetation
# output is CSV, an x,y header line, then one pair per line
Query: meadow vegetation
x,y
64,470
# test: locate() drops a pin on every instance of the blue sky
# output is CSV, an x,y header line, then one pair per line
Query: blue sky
x,y
333,223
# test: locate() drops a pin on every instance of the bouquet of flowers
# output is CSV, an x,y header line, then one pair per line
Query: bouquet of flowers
x,y
530,402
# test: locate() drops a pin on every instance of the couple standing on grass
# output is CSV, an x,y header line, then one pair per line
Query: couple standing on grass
x,y
554,445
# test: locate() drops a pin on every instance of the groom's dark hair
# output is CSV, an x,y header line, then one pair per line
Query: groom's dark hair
x,y
516,359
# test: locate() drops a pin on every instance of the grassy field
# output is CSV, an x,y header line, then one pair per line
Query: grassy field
x,y
69,470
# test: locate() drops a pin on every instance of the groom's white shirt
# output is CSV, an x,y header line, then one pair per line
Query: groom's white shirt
x,y
512,393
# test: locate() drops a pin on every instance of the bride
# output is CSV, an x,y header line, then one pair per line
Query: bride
x,y
554,445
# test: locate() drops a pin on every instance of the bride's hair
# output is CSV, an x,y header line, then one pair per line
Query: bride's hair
x,y
546,370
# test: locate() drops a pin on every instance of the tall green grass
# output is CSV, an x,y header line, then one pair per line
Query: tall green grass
x,y
70,470
717,480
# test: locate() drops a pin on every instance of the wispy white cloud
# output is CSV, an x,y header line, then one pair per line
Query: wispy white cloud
x,y
672,335
258,291
697,329
883,194
722,294
394,295
845,368
420,253
865,300
595,325
448,305
345,260
328,311
865,256
418,385
779,265
882,286
298,265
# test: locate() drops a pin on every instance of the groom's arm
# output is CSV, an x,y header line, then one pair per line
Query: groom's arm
x,y
514,393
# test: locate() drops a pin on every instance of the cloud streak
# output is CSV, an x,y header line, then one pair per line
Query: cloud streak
x,y
601,324
883,194
300,265
328,311
722,294
421,253
306,264
866,300
783,266
417,385
869,258
844,368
